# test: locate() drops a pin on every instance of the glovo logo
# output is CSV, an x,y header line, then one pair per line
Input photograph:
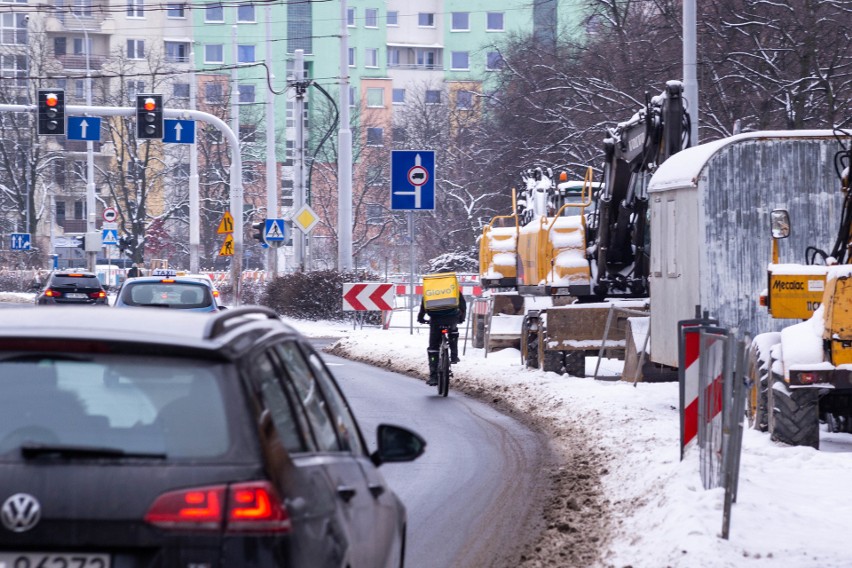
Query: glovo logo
x,y
442,291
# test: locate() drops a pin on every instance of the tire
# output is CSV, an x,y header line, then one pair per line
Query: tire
x,y
759,364
532,351
794,414
575,363
444,371
554,362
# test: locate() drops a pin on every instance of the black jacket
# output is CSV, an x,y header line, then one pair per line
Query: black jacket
x,y
450,316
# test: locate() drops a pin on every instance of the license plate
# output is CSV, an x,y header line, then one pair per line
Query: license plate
x,y
53,560
73,296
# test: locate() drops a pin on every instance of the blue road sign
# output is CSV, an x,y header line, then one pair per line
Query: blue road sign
x,y
274,230
20,241
412,180
179,131
109,237
84,128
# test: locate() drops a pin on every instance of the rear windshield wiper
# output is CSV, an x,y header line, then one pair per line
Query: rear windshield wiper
x,y
36,450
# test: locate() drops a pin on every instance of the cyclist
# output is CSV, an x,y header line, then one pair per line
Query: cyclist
x,y
438,319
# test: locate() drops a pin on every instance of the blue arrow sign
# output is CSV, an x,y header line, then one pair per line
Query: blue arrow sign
x,y
179,131
20,241
412,180
84,128
109,237
274,230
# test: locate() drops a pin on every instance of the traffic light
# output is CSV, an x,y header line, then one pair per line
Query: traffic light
x,y
257,231
81,242
51,112
149,116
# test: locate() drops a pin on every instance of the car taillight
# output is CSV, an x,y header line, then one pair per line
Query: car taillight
x,y
50,293
97,295
199,508
808,377
252,507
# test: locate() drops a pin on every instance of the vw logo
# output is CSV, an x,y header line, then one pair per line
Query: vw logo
x,y
20,512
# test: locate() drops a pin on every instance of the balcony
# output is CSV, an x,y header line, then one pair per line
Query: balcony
x,y
79,18
72,225
79,61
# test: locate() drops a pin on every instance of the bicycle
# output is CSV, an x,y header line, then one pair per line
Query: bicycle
x,y
444,370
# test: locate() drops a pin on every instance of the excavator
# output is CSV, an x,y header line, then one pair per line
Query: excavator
x,y
575,247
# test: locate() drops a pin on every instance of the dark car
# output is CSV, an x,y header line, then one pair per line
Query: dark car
x,y
70,287
164,438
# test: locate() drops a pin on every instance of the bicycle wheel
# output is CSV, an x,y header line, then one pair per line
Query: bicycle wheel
x,y
444,370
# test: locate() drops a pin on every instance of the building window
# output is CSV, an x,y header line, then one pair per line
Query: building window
x,y
60,46
176,10
351,57
371,57
352,96
245,13
245,54
135,8
392,18
15,66
214,53
79,88
13,29
426,20
393,57
246,93
495,22
78,205
375,214
399,136
181,90
460,61
82,47
135,49
493,61
60,205
426,58
177,51
248,133
464,100
213,93
180,171
374,136
135,88
350,17
461,22
398,96
80,7
433,97
375,97
371,18
214,13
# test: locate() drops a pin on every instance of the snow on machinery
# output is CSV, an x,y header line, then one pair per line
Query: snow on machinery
x,y
555,254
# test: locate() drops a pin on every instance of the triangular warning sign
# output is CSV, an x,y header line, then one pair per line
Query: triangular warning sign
x,y
226,225
227,247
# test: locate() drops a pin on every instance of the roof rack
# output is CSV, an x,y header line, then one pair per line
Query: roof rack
x,y
217,324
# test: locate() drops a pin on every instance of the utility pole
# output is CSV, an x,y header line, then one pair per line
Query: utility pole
x,y
236,179
271,161
194,205
344,159
690,65
299,155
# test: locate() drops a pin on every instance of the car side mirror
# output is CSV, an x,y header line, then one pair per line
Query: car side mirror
x,y
779,222
397,444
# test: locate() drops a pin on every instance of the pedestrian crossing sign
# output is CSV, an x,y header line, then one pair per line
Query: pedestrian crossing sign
x,y
274,230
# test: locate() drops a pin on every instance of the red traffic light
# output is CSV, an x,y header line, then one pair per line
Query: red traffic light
x,y
51,99
149,104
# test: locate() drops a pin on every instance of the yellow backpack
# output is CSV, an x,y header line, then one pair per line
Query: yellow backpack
x,y
440,291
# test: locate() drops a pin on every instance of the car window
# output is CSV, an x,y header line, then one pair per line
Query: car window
x,y
310,396
264,378
347,429
75,281
173,295
151,405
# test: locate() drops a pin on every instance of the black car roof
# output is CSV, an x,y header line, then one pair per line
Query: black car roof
x,y
229,332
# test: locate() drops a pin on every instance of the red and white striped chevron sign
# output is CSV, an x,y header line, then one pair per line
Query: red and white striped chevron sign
x,y
367,296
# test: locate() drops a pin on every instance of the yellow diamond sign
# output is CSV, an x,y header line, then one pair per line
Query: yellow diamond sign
x,y
305,218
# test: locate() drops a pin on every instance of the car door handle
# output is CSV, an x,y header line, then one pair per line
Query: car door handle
x,y
376,490
346,493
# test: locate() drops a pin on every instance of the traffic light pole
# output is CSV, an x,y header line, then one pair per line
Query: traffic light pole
x,y
236,163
